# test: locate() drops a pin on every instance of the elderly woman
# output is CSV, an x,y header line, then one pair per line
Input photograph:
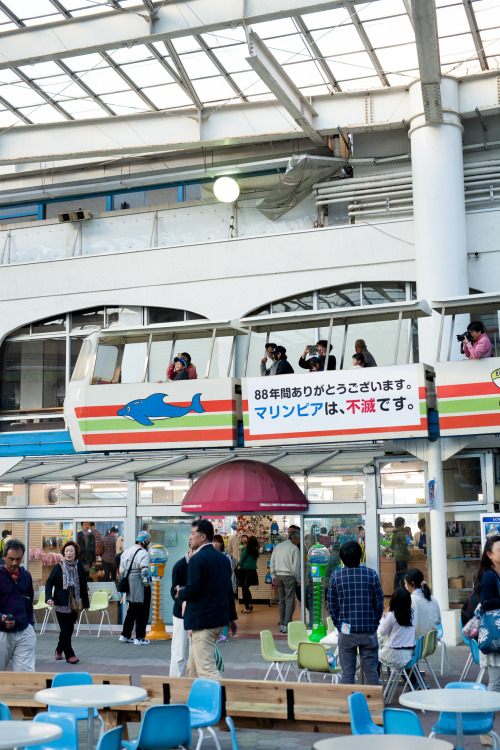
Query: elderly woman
x,y
66,591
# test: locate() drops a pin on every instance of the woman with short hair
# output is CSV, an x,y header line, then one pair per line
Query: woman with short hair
x,y
66,592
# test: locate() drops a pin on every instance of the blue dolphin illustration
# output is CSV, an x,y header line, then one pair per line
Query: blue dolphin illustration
x,y
153,407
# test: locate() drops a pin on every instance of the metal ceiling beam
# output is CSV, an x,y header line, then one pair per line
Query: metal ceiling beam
x,y
12,16
170,70
315,53
186,81
60,8
289,96
367,44
215,60
76,78
474,30
407,4
176,18
43,94
238,125
426,37
15,111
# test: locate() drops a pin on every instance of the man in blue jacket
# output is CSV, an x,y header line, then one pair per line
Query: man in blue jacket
x,y
210,600
17,634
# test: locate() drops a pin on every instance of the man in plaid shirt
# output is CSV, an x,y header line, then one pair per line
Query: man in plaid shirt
x,y
356,605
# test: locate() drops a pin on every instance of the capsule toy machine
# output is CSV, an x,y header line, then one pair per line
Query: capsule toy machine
x,y
318,560
158,557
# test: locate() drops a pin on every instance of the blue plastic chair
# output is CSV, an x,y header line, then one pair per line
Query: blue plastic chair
x,y
205,706
69,726
476,723
234,741
4,712
406,672
473,659
468,663
361,720
163,727
74,678
402,721
111,740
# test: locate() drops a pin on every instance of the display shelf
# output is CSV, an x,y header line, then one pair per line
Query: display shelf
x,y
464,536
467,559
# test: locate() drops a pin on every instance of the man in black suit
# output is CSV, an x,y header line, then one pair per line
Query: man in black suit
x,y
210,600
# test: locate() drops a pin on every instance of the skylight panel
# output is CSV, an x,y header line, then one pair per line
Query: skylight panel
x,y
125,102
326,19
168,97
184,44
491,42
381,9
30,11
89,10
83,109
250,83
43,114
56,84
224,37
320,90
214,89
147,73
458,48
20,95
398,58
403,78
288,48
281,27
84,62
199,64
8,76
103,80
452,20
347,67
487,13
8,119
396,30
342,40
125,55
305,73
39,70
233,58
361,84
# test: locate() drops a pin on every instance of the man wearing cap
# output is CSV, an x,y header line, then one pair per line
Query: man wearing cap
x,y
180,369
135,563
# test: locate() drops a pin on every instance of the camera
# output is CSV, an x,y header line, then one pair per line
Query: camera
x,y
462,336
9,618
313,350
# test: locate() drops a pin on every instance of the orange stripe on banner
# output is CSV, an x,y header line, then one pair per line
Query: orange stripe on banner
x,y
169,436
468,389
468,421
110,411
325,433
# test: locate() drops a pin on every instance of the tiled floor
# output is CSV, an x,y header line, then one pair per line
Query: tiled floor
x,y
242,659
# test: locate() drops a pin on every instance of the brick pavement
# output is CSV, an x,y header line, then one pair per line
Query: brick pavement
x,y
242,660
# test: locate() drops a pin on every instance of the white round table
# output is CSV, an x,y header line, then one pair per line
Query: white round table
x,y
381,742
91,696
456,701
24,733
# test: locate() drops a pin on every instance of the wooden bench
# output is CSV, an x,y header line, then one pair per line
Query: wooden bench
x,y
260,704
17,690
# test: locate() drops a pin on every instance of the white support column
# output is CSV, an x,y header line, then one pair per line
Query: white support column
x,y
439,211
371,519
437,525
130,525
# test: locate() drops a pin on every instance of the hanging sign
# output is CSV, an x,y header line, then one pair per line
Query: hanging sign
x,y
368,403
468,394
490,526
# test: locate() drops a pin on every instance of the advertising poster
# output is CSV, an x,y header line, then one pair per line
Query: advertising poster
x,y
490,526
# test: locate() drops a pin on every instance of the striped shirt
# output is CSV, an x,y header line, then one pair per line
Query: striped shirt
x,y
355,597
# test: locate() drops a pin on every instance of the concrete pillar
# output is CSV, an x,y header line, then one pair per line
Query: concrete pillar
x,y
130,526
372,546
437,531
439,212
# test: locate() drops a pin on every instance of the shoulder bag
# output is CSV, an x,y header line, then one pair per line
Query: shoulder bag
x,y
124,586
488,638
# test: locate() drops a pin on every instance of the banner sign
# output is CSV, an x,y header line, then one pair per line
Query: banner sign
x,y
366,403
137,416
468,394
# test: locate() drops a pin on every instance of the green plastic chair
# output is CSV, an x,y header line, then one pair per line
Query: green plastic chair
x,y
98,603
41,606
430,645
277,658
297,632
312,658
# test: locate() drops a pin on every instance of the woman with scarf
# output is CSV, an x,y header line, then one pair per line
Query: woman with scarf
x,y
66,591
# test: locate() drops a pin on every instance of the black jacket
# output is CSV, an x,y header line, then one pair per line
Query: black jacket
x,y
86,542
306,363
16,599
489,591
179,578
284,367
54,587
208,591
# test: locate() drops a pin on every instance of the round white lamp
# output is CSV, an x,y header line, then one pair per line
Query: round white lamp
x,y
226,189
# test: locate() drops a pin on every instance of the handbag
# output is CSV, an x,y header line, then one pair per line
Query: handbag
x,y
124,586
488,638
471,627
76,606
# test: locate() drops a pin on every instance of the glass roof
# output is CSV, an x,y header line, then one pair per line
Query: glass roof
x,y
363,46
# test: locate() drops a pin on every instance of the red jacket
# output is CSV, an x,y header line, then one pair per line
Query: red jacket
x,y
190,369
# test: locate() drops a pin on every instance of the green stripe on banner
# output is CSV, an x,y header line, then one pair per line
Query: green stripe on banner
x,y
246,419
459,406
179,423
423,408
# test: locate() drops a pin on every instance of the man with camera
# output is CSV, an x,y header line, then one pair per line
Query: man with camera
x,y
315,353
474,343
17,634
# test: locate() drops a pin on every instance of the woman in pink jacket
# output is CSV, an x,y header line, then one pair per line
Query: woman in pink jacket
x,y
190,369
478,346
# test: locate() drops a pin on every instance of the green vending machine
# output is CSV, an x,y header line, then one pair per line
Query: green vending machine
x,y
318,560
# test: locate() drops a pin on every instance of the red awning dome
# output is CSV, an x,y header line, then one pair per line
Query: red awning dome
x,y
244,486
